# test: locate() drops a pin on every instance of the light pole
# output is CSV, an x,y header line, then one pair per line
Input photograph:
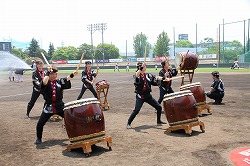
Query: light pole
x,y
92,30
174,39
101,27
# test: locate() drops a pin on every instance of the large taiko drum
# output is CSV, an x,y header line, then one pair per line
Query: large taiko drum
x,y
186,60
197,90
84,120
180,108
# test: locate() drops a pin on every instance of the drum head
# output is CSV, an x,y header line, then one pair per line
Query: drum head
x,y
80,102
171,96
178,59
190,85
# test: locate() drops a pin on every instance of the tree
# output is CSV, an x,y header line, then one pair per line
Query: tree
x,y
210,50
110,52
34,49
66,53
162,44
233,50
184,44
207,42
19,52
85,47
140,43
50,51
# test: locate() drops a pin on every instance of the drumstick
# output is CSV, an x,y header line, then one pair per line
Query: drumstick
x,y
174,78
45,59
79,64
166,58
96,72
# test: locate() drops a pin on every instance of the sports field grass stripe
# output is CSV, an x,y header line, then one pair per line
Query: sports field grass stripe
x,y
150,70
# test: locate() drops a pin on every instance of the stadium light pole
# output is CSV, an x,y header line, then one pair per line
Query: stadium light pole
x,y
196,33
92,30
223,42
174,39
100,27
248,46
219,45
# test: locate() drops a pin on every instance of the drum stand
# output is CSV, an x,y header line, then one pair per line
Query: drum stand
x,y
190,75
187,127
86,145
55,117
202,107
103,89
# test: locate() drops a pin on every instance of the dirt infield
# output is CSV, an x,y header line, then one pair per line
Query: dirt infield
x,y
145,144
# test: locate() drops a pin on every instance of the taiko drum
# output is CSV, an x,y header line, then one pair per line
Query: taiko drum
x,y
197,90
187,60
180,108
84,120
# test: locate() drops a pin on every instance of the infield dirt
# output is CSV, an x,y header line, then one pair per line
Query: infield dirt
x,y
145,144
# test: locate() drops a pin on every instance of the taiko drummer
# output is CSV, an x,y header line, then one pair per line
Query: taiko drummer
x,y
143,82
37,77
168,72
52,91
88,76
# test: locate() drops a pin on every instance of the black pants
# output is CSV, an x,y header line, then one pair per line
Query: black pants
x,y
138,104
91,88
217,96
42,120
34,97
163,92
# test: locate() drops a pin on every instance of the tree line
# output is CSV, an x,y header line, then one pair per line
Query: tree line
x,y
141,46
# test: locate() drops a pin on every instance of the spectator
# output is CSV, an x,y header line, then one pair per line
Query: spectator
x,y
11,74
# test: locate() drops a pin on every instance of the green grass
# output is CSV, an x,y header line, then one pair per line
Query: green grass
x,y
150,70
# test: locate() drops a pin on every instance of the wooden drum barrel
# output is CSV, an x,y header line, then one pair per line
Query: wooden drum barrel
x,y
186,60
84,120
197,90
180,108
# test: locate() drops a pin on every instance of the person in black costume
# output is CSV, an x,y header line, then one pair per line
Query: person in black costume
x,y
37,77
217,88
88,76
143,82
52,91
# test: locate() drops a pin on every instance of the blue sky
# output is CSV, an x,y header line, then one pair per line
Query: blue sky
x,y
66,20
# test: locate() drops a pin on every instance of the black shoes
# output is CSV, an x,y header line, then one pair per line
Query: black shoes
x,y
159,123
217,103
38,141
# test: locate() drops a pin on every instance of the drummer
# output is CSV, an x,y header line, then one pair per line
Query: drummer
x,y
88,76
168,72
143,82
52,91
